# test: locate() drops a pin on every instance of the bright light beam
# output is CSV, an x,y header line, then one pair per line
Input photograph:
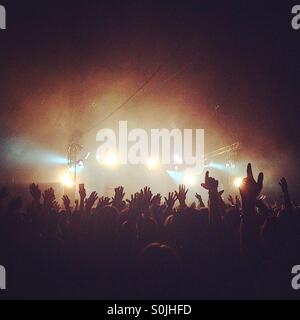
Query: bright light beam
x,y
237,182
66,180
152,163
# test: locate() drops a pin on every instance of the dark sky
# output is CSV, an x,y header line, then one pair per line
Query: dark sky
x,y
244,58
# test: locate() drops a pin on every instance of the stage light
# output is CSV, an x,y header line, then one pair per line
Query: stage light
x,y
152,163
177,159
67,180
176,168
237,182
111,159
189,180
80,164
177,176
216,165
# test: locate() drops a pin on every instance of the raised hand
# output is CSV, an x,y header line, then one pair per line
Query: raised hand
x,y
250,189
238,202
147,194
145,198
49,200
103,201
210,183
216,205
284,186
141,200
76,205
133,201
230,199
181,195
56,206
117,200
170,201
35,192
199,198
156,200
90,202
67,203
249,226
82,195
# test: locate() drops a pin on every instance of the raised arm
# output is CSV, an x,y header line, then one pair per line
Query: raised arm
x,y
215,207
249,230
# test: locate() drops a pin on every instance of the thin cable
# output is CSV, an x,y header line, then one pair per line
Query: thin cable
x,y
127,100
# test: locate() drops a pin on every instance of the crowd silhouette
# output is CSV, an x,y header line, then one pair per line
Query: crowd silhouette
x,y
149,247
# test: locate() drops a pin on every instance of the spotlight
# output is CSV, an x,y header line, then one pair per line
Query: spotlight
x,y
111,159
67,180
152,163
189,180
177,159
80,164
237,182
108,158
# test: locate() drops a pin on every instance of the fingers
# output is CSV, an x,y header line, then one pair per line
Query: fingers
x,y
260,179
282,181
249,171
203,185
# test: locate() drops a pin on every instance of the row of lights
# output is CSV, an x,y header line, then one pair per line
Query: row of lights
x,y
111,160
188,180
